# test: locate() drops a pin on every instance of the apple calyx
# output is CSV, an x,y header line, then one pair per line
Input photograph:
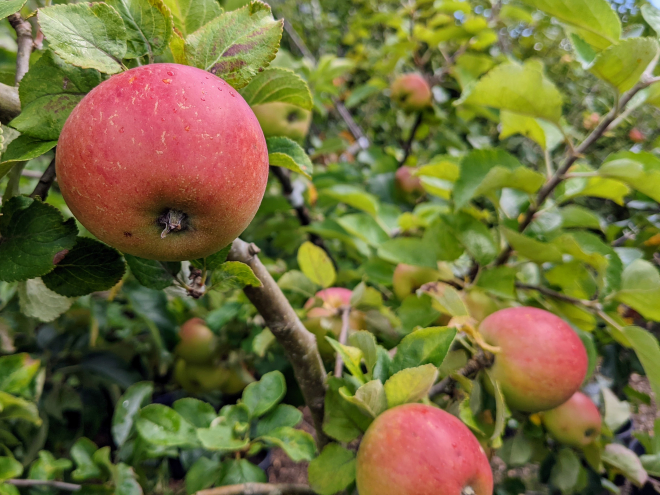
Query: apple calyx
x,y
174,221
468,490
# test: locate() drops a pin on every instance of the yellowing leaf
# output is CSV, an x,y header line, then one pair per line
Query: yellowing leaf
x,y
316,265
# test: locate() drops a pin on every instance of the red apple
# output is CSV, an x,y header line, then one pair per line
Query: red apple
x,y
542,361
408,184
283,119
163,161
197,344
408,278
417,449
636,136
411,92
576,422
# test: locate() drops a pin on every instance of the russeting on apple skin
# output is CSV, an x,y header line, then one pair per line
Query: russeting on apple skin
x,y
164,161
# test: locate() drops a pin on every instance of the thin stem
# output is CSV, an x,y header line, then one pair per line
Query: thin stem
x,y
60,485
478,362
25,44
558,295
343,337
298,343
580,175
548,163
259,489
407,147
45,182
13,184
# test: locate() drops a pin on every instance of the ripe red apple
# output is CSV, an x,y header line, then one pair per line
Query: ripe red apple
x,y
636,136
411,92
283,119
408,278
576,422
417,449
409,185
197,344
542,362
163,161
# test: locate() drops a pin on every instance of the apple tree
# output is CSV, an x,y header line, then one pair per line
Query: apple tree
x,y
401,247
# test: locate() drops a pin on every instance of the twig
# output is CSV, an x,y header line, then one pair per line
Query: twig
x,y
407,147
298,343
259,489
284,176
47,179
439,76
558,295
343,336
478,362
60,485
25,44
556,179
625,237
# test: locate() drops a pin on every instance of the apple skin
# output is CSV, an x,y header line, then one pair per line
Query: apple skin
x,y
411,92
576,422
408,185
163,138
283,119
200,378
636,136
408,278
197,344
542,361
415,449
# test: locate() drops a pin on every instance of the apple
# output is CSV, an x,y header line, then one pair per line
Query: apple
x,y
200,378
575,423
409,185
283,119
542,361
415,449
408,278
636,136
411,92
164,162
197,344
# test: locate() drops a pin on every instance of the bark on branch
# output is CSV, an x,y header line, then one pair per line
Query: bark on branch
x,y
25,43
60,485
10,104
298,343
259,489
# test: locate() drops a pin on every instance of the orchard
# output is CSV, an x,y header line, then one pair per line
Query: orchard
x,y
357,247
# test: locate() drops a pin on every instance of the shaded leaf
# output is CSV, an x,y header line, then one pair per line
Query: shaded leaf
x,y
332,471
278,84
284,152
148,26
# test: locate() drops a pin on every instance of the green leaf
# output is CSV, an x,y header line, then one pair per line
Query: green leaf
x,y
125,481
90,36
262,396
647,349
639,170
424,346
446,299
298,445
532,95
33,233
352,357
408,250
282,415
9,7
190,15
626,462
17,372
82,453
213,262
332,471
417,310
574,216
221,437
370,398
366,342
296,281
25,148
617,412
566,471
652,17
10,468
148,26
278,84
202,474
499,281
364,227
316,265
12,407
546,136
640,289
597,187
236,45
342,420
284,152
198,413
473,235
151,273
355,197
44,118
485,171
410,385
234,275
239,471
161,425
533,250
593,20
38,301
90,266
623,64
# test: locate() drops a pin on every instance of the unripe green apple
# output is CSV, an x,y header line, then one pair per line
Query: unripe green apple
x,y
197,344
163,161
542,361
411,92
200,378
417,449
237,379
283,119
576,422
408,278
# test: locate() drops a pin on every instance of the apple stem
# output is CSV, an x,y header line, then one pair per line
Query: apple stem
x,y
173,221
